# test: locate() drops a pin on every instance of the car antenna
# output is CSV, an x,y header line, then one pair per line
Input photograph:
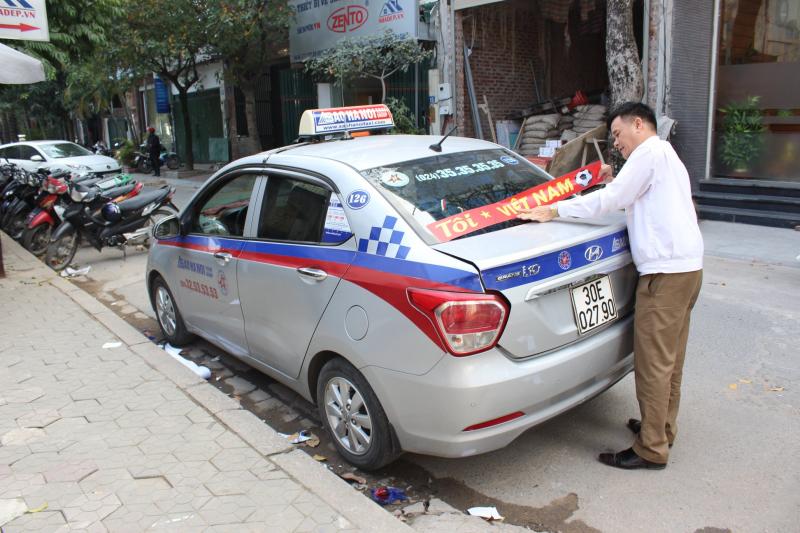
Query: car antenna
x,y
437,147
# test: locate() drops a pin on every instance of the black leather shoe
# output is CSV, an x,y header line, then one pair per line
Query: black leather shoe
x,y
628,460
635,426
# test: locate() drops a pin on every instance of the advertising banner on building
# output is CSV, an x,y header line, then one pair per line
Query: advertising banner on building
x,y
162,95
24,20
319,24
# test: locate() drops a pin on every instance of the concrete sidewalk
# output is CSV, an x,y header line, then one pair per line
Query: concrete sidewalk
x,y
124,438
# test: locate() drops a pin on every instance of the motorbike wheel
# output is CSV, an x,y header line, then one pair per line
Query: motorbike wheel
x,y
61,251
157,215
172,162
145,166
16,225
36,239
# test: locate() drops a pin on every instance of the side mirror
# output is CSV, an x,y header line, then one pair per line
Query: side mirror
x,y
167,228
37,158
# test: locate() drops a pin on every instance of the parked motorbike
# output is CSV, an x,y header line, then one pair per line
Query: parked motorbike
x,y
19,198
143,164
100,148
49,213
114,224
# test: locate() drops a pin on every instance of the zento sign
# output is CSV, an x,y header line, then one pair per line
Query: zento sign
x,y
347,19
24,20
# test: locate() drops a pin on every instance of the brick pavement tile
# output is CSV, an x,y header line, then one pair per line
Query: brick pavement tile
x,y
22,436
283,491
254,431
208,431
190,473
149,465
212,399
168,426
44,521
227,510
109,480
237,459
76,425
277,517
231,483
197,450
70,471
127,437
22,394
36,463
39,418
229,440
55,495
14,486
182,499
144,490
267,470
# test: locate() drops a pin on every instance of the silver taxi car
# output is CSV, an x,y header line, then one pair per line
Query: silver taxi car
x,y
386,279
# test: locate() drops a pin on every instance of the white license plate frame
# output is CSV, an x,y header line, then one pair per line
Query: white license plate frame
x,y
588,306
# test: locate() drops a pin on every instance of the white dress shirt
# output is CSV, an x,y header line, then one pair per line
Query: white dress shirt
x,y
654,189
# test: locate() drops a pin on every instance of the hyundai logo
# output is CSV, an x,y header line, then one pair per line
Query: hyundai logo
x,y
593,253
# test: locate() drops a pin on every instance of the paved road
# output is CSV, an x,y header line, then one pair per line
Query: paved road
x,y
734,466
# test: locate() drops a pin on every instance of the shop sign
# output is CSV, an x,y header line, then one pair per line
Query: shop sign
x,y
319,24
24,20
162,96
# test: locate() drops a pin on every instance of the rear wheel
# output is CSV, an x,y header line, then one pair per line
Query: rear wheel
x,y
353,416
172,162
168,315
36,239
61,251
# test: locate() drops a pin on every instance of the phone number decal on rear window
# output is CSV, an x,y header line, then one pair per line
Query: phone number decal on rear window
x,y
463,170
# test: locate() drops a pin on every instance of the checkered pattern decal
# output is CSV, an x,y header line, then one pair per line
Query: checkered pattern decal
x,y
385,241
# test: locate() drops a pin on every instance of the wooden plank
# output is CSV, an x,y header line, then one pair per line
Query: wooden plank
x,y
568,157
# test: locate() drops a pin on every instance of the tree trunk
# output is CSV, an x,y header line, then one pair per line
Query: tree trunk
x,y
252,143
383,90
183,96
622,57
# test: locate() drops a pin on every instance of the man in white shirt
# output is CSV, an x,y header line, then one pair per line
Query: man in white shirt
x,y
654,190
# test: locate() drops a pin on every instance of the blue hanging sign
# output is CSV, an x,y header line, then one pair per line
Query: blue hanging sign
x,y
162,96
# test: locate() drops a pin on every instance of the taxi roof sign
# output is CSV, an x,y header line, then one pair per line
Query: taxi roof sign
x,y
344,119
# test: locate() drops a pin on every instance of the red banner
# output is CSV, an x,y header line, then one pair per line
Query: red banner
x,y
562,187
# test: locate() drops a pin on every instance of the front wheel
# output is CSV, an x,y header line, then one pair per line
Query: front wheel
x,y
144,166
172,162
36,239
16,225
353,416
169,318
61,251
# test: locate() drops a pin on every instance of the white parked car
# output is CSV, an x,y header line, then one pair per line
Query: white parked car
x,y
32,155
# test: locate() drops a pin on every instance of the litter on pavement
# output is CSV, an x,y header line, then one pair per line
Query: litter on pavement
x,y
201,371
487,513
70,272
388,495
110,345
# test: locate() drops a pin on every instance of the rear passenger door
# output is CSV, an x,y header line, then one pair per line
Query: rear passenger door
x,y
289,271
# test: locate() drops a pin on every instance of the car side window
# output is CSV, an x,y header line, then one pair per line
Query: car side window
x,y
10,152
293,210
26,152
225,211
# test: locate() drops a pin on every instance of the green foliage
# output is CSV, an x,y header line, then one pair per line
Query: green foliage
x,y
376,56
403,117
126,153
741,133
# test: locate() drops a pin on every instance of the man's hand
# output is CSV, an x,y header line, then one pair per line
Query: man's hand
x,y
606,173
543,213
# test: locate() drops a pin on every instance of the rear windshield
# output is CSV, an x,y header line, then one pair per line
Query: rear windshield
x,y
60,150
443,186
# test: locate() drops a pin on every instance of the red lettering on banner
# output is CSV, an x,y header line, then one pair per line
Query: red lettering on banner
x,y
562,187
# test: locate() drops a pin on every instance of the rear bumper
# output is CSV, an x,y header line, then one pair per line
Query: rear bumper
x,y
430,412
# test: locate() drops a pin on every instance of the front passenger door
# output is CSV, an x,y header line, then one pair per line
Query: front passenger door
x,y
207,262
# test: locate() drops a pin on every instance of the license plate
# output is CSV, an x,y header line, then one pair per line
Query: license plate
x,y
593,303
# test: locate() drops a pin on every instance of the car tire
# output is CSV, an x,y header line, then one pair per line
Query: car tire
x,y
167,314
339,387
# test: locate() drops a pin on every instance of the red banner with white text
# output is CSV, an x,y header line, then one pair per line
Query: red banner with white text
x,y
560,188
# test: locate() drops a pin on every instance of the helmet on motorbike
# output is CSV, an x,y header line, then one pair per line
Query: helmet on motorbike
x,y
111,212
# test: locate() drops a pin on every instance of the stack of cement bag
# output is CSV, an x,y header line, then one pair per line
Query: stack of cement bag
x,y
536,131
586,118
565,125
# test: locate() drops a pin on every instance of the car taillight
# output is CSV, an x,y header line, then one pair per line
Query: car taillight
x,y
468,322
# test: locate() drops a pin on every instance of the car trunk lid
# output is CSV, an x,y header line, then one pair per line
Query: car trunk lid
x,y
537,267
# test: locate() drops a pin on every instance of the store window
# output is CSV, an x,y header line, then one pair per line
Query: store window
x,y
757,119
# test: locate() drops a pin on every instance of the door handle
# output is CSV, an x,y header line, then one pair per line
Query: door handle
x,y
223,256
313,273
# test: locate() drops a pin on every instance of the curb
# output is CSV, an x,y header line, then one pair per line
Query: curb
x,y
331,489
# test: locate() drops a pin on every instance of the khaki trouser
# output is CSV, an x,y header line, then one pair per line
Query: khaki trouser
x,y
664,304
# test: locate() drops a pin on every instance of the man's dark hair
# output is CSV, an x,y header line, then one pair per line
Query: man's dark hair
x,y
630,110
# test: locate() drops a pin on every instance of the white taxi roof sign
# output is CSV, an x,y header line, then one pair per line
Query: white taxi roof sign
x,y
341,119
